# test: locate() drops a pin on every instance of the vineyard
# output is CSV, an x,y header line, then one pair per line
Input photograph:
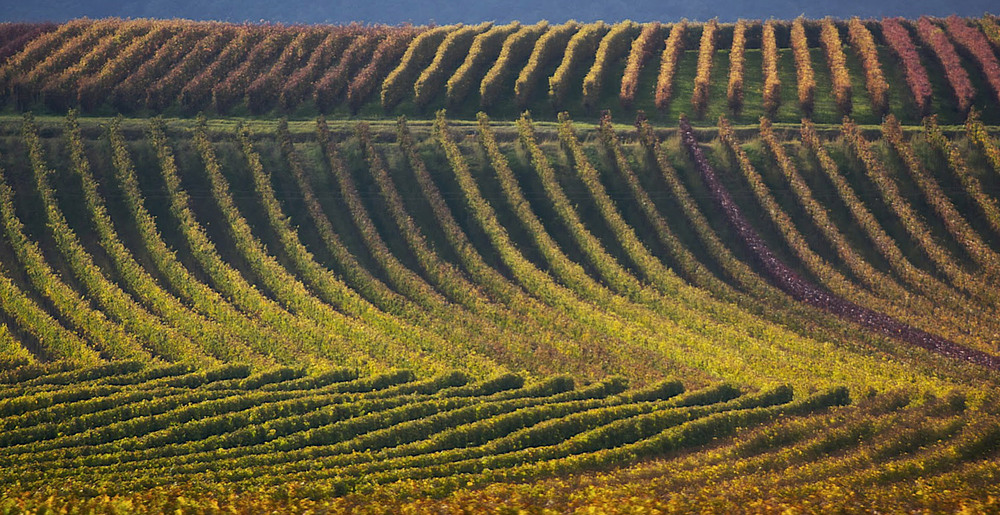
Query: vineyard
x,y
821,69
631,267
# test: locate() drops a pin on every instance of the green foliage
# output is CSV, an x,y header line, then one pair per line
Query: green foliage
x,y
300,310
369,431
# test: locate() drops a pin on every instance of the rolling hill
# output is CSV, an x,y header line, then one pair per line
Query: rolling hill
x,y
497,267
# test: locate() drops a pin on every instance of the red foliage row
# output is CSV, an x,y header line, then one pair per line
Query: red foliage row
x,y
17,38
93,90
169,86
36,51
299,85
231,90
60,89
976,44
328,87
958,78
131,92
899,41
197,93
64,55
264,90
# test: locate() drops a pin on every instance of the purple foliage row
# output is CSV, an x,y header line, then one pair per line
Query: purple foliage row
x,y
804,291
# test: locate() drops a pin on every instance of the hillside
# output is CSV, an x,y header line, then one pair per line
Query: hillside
x,y
489,249
228,283
821,69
